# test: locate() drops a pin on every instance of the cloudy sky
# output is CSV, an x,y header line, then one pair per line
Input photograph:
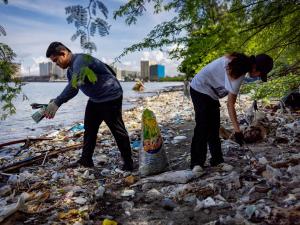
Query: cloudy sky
x,y
31,25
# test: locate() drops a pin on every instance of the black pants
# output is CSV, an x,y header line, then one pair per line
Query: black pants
x,y
111,113
207,116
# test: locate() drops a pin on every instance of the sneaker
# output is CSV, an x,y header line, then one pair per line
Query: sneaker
x,y
197,169
81,162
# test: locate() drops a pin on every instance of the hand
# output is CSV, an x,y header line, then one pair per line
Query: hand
x,y
239,138
51,110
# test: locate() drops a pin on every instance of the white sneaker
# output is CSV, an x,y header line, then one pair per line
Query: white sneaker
x,y
197,169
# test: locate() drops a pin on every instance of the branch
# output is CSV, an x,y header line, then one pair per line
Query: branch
x,y
268,23
30,161
283,45
246,6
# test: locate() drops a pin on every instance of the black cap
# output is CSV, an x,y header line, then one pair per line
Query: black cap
x,y
264,64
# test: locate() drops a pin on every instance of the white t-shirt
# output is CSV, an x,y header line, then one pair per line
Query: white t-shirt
x,y
213,80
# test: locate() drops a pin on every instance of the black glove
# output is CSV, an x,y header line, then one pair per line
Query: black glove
x,y
239,138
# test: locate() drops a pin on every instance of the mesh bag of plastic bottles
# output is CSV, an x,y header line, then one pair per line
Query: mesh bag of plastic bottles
x,y
152,156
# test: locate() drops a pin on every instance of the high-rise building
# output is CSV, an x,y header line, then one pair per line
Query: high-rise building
x,y
51,69
145,72
45,68
157,72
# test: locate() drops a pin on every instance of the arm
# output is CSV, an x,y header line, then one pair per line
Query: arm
x,y
68,93
231,111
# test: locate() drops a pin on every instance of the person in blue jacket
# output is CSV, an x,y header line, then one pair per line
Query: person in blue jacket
x,y
104,104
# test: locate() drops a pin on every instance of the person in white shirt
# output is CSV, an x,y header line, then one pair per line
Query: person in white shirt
x,y
219,78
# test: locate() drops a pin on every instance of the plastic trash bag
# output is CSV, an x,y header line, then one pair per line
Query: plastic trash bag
x,y
152,156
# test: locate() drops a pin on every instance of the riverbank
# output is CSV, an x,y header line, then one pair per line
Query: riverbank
x,y
20,125
261,186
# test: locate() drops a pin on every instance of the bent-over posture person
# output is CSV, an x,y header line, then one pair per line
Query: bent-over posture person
x,y
104,104
219,78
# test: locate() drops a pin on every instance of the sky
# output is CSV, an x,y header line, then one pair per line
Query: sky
x,y
31,25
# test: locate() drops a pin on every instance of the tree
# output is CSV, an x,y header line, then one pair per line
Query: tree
x,y
87,22
205,29
10,86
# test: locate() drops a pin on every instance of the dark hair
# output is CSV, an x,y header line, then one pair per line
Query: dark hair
x,y
264,64
240,64
55,48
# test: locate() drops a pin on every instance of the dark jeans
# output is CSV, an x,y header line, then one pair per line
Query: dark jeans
x,y
207,116
111,113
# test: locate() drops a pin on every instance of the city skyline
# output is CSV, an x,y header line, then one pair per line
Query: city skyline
x,y
32,25
146,72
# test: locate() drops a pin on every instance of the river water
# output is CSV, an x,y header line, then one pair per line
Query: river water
x,y
21,125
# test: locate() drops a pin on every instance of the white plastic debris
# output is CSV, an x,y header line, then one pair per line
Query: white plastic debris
x,y
100,192
12,208
128,193
153,194
178,139
180,177
209,202
263,161
80,200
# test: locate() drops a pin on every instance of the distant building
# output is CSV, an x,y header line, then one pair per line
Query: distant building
x,y
127,75
45,68
118,72
119,75
145,72
51,69
157,72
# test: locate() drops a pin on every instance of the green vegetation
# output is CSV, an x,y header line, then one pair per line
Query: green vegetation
x,y
10,87
178,78
88,22
203,30
276,88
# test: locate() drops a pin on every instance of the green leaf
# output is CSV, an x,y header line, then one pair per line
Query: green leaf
x,y
74,80
90,74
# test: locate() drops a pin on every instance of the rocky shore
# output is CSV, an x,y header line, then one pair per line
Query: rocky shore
x,y
259,186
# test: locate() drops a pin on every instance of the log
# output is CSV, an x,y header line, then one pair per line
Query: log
x,y
32,160
23,140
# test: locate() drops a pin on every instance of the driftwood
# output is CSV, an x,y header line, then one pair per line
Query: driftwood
x,y
286,164
29,161
25,140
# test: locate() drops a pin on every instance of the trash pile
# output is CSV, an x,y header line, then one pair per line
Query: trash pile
x,y
259,185
138,86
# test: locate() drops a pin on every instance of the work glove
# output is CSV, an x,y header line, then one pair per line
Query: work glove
x,y
239,138
51,109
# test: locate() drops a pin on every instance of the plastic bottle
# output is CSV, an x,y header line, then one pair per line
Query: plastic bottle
x,y
39,115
